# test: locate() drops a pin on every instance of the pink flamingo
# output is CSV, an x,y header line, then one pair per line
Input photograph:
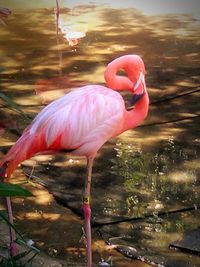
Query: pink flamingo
x,y
4,12
81,122
73,38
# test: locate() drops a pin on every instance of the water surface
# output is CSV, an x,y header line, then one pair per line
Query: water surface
x,y
146,171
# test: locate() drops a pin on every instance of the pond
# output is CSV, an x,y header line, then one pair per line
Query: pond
x,y
150,171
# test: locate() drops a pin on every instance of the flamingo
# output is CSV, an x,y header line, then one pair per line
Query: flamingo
x,y
80,122
4,12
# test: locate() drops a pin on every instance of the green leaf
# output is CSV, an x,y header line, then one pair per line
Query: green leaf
x,y
12,104
8,190
11,225
3,214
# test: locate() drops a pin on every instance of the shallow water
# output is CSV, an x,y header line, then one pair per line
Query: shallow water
x,y
150,170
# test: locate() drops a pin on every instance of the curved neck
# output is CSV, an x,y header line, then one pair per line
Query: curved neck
x,y
131,64
134,82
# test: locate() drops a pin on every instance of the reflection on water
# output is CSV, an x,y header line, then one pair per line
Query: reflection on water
x,y
31,53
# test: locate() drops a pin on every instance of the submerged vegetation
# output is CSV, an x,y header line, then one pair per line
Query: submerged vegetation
x,y
157,180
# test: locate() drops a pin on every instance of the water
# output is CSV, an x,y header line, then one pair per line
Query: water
x,y
147,171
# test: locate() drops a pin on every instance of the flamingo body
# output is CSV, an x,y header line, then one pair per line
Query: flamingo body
x,y
81,122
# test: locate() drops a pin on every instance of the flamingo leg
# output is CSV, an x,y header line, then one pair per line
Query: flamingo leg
x,y
87,210
13,246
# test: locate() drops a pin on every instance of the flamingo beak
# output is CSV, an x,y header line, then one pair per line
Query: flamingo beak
x,y
135,98
139,86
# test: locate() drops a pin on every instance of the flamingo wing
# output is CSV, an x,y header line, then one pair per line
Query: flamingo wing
x,y
82,120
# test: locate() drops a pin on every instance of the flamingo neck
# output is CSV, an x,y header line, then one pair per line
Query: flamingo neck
x,y
134,82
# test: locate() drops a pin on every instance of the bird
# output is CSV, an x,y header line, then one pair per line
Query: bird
x,y
4,12
80,122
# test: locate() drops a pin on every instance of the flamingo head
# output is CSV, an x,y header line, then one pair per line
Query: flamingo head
x,y
133,81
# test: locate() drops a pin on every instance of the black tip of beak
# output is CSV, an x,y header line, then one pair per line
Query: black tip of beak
x,y
135,98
